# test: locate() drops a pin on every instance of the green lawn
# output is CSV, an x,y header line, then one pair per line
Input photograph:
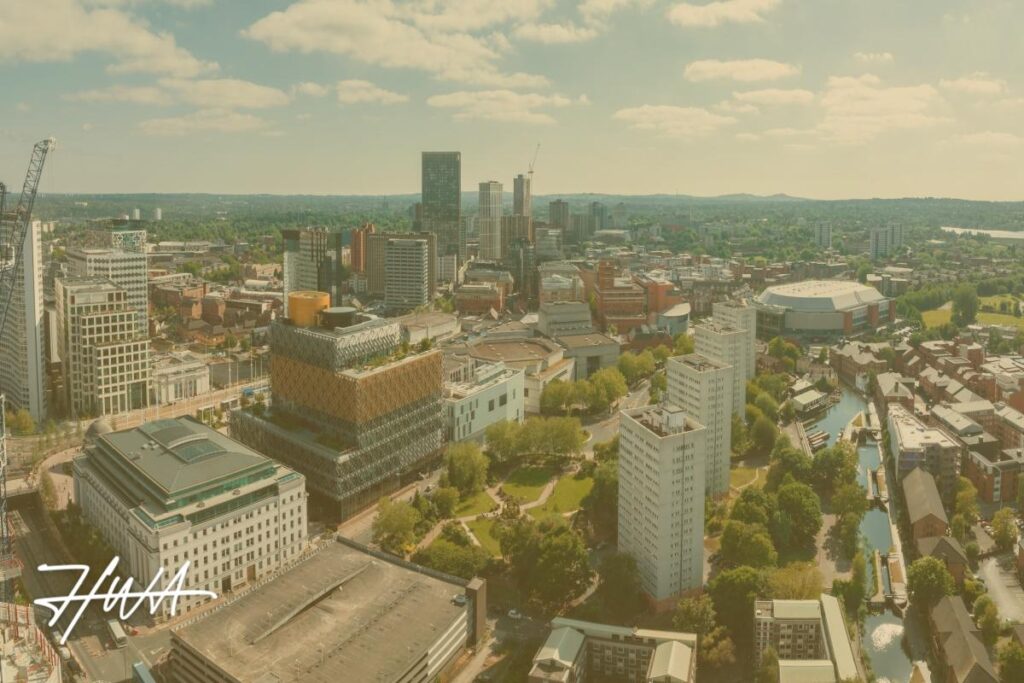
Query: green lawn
x,y
476,504
481,528
939,316
1000,319
994,301
568,494
526,483
741,476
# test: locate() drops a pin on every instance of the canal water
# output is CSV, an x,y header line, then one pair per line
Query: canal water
x,y
892,644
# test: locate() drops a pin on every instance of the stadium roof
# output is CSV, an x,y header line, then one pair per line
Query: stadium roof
x,y
822,296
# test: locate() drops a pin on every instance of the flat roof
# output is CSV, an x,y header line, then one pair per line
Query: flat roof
x,y
806,671
512,350
341,615
700,363
839,639
576,341
820,295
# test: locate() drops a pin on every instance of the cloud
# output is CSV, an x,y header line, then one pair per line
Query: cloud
x,y
978,83
721,12
772,96
989,138
203,121
597,12
388,35
747,137
59,30
745,70
469,15
226,93
501,105
734,107
555,34
23,107
873,57
676,122
120,93
311,89
858,109
364,92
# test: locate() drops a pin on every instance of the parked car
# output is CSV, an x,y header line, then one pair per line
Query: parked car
x,y
515,614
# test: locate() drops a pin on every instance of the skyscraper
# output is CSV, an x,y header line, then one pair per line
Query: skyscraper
x,y
442,201
743,316
703,388
359,239
661,498
823,235
377,264
407,275
728,345
313,262
124,263
22,359
600,213
558,215
489,220
521,205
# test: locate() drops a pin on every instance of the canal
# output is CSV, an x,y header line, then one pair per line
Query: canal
x,y
893,644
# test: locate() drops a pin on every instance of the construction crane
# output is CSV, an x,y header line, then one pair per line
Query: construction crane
x,y
533,162
14,227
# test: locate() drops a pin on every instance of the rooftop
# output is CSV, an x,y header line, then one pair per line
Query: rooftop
x,y
699,363
820,295
806,671
513,350
577,341
342,615
911,434
789,609
922,496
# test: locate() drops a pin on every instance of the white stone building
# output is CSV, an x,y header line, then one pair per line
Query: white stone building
x,y
179,376
22,354
728,345
491,393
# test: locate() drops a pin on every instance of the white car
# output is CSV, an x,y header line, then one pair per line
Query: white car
x,y
515,614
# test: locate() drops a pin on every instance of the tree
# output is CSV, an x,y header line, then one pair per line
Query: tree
x,y
769,669
466,468
620,586
629,367
1020,493
502,440
21,422
445,556
928,580
967,500
562,436
987,617
733,593
754,506
1004,529
562,570
958,527
716,650
767,405
607,386
965,304
603,501
787,413
739,434
661,353
445,501
788,461
683,344
763,433
1011,663
747,545
695,615
973,552
556,397
796,581
834,466
394,527
799,516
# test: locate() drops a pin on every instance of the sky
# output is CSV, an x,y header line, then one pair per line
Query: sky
x,y
813,98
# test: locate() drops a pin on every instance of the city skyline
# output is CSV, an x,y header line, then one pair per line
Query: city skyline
x,y
818,100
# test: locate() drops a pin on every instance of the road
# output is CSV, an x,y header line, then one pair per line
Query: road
x,y
606,429
1003,587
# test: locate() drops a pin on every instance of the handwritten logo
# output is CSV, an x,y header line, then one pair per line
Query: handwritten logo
x,y
120,596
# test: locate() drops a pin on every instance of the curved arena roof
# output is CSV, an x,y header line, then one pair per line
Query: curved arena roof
x,y
820,295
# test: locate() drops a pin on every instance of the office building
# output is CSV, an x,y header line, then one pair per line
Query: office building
x,y
703,388
542,360
123,263
581,228
105,359
914,444
661,501
345,614
590,352
549,243
441,211
359,241
377,264
558,215
482,394
522,262
407,283
177,377
564,317
730,346
313,261
22,346
885,241
599,212
741,315
175,491
521,202
823,235
351,409
581,651
809,637
515,230
488,220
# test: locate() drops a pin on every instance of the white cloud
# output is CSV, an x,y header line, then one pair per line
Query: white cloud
x,y
721,12
364,92
772,96
677,122
555,34
203,121
23,107
747,137
87,127
311,89
59,30
858,109
734,107
989,138
226,93
597,12
745,70
873,57
121,93
501,105
978,83
385,34
469,15
787,132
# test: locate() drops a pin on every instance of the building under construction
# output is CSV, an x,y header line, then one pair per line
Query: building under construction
x,y
352,408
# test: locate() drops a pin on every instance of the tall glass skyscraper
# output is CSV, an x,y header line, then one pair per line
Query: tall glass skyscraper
x,y
442,201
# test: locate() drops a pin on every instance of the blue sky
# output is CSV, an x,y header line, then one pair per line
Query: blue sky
x,y
818,98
